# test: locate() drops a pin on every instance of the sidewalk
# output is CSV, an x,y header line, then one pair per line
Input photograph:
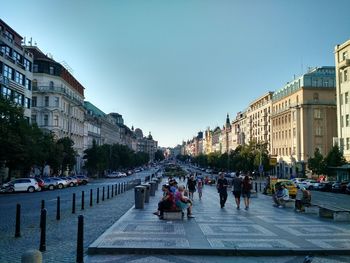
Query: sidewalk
x,y
263,230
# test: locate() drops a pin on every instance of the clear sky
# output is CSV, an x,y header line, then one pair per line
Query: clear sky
x,y
176,67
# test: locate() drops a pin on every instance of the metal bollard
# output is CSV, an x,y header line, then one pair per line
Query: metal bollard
x,y
91,197
42,204
32,256
256,187
82,200
108,192
42,246
58,209
118,188
73,204
103,193
260,187
98,195
18,221
80,240
112,192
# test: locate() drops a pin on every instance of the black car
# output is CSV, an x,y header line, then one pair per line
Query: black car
x,y
325,186
339,187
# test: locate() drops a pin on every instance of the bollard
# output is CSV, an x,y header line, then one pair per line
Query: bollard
x,y
82,200
32,256
98,196
90,197
73,204
42,246
116,189
103,193
42,204
112,192
256,187
80,240
58,209
260,187
18,221
108,192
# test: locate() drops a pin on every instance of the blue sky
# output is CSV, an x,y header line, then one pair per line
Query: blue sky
x,y
177,67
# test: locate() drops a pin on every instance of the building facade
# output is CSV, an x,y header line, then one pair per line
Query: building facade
x,y
16,69
303,118
57,101
342,66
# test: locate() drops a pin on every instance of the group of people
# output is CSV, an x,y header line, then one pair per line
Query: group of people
x,y
174,198
240,187
302,199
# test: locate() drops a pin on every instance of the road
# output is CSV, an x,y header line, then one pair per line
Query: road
x,y
61,235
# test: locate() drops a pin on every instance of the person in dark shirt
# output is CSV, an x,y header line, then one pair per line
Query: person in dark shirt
x,y
191,185
222,189
237,189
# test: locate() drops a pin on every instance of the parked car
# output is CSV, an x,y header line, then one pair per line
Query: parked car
x,y
296,181
82,179
60,182
112,175
325,186
71,181
347,190
49,183
22,185
41,183
308,184
339,187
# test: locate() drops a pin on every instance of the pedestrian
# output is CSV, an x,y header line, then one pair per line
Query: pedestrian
x,y
222,189
246,191
237,189
191,185
200,187
183,202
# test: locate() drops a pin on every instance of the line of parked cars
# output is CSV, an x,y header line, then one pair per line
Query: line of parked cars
x,y
325,186
44,183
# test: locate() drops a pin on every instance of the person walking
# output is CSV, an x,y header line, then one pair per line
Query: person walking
x,y
191,185
246,191
200,187
237,189
222,189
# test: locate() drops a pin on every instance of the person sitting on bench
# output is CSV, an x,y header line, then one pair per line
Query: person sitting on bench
x,y
281,197
167,202
183,202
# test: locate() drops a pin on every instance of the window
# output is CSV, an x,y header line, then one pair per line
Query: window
x,y
316,96
46,103
341,99
294,132
318,131
348,143
341,121
51,85
51,70
27,64
19,78
317,113
347,120
346,97
35,84
28,84
6,92
46,120
35,68
345,55
345,75
55,120
34,118
34,101
57,101
8,71
9,36
17,98
6,50
27,103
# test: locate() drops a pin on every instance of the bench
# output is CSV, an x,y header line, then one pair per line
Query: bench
x,y
335,213
290,203
311,209
173,214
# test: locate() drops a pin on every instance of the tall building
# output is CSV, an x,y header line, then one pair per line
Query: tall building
x,y
342,66
258,114
303,118
16,71
58,101
226,136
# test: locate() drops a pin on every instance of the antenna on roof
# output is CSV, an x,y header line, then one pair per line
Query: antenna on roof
x,y
67,67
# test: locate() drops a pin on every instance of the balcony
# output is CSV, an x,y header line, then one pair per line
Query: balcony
x,y
343,64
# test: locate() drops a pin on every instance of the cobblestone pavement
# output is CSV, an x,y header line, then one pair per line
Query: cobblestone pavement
x,y
61,235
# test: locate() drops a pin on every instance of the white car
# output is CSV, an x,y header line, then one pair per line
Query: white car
x,y
308,184
22,185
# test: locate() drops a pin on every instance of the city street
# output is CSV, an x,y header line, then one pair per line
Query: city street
x,y
61,235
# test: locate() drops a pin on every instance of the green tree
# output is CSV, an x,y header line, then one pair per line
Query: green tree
x,y
334,158
317,163
66,153
159,155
